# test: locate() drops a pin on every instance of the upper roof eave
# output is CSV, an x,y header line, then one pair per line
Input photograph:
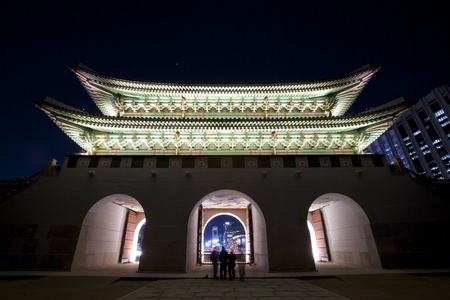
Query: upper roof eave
x,y
107,91
306,86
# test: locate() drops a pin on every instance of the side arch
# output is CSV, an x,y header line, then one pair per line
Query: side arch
x,y
347,230
135,253
103,230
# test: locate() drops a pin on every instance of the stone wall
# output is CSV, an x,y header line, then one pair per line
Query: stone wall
x,y
101,236
40,227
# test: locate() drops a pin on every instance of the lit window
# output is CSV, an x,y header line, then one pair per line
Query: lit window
x,y
439,112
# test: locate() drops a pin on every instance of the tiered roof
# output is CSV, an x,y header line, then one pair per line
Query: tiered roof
x,y
158,119
119,97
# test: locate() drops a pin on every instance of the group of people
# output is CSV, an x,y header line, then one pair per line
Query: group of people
x,y
227,263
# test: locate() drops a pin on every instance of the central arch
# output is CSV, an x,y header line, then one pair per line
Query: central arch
x,y
256,221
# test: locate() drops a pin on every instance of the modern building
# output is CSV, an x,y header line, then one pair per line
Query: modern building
x,y
215,236
282,159
421,136
234,236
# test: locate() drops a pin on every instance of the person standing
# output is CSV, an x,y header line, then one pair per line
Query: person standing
x,y
214,258
223,257
231,265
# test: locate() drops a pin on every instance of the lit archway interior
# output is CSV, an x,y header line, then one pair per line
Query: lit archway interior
x,y
225,230
222,204
108,232
340,232
237,205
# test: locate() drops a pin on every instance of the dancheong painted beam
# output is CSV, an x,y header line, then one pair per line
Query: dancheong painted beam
x,y
141,118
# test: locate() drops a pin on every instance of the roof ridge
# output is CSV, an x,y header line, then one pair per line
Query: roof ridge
x,y
358,71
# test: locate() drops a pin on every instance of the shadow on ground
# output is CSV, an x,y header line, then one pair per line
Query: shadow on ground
x,y
116,281
387,286
67,287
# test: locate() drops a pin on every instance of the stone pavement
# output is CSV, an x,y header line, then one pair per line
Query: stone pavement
x,y
329,281
269,288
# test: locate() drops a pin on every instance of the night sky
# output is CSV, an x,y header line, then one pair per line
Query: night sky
x,y
218,221
204,42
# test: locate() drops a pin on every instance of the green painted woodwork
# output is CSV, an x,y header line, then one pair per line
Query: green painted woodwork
x,y
119,97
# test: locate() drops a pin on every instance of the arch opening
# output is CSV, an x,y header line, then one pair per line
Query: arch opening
x,y
340,232
225,230
136,250
236,205
109,233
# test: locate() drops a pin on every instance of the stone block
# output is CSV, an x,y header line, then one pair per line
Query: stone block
x,y
5,245
201,162
301,162
126,162
325,162
83,162
63,231
226,162
345,162
150,162
105,162
367,161
276,162
27,230
29,246
43,245
251,162
57,246
175,162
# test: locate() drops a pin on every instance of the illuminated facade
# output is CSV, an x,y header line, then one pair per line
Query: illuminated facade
x,y
140,118
162,161
421,136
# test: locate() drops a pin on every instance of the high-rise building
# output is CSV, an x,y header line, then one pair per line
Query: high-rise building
x,y
234,236
215,236
421,136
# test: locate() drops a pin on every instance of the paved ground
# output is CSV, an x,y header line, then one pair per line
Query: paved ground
x,y
411,286
269,288
66,288
329,282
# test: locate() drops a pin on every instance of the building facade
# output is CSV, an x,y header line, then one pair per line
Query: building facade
x,y
421,136
141,118
162,160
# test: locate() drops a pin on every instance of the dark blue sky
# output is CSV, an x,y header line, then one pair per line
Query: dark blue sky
x,y
219,221
204,42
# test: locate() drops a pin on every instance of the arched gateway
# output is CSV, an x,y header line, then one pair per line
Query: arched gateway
x,y
341,232
178,148
238,205
109,234
157,125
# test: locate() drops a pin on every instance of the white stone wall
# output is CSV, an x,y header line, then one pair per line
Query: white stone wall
x,y
349,235
101,236
407,220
